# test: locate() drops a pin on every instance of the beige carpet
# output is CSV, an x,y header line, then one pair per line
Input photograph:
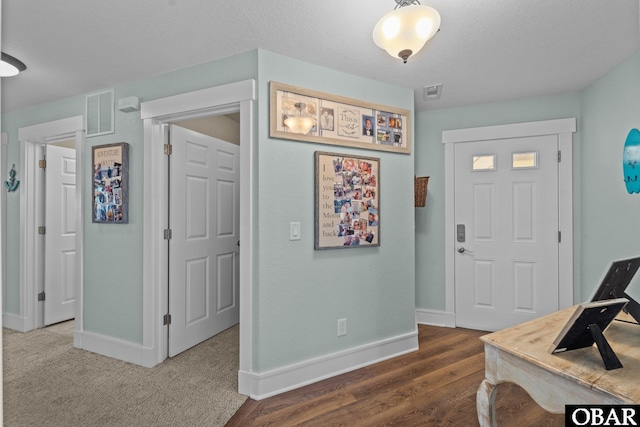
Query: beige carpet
x,y
47,382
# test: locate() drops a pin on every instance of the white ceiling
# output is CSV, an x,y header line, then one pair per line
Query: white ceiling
x,y
486,51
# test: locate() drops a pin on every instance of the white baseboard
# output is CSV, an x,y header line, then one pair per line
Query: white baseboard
x,y
435,318
115,348
266,384
15,322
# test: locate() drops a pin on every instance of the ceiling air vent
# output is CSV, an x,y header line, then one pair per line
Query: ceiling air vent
x,y
98,113
432,92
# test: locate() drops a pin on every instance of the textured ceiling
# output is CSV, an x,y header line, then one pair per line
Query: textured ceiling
x,y
486,51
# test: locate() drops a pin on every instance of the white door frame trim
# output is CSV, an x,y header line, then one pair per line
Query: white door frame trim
x,y
31,248
3,219
156,114
563,128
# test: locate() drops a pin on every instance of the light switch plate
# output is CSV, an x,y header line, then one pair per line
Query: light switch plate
x,y
294,231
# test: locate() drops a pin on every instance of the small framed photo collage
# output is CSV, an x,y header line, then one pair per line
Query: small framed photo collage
x,y
388,129
110,182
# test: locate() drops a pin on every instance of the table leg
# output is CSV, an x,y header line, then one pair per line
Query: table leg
x,y
486,404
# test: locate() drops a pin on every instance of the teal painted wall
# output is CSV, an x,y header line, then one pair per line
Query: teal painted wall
x,y
300,292
429,152
610,215
605,216
11,122
112,254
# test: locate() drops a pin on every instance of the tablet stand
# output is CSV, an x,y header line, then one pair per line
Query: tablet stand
x,y
609,358
632,307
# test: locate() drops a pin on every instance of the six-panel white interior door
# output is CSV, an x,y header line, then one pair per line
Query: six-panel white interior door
x,y
60,239
203,249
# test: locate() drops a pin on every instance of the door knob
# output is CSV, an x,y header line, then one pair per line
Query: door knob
x,y
462,250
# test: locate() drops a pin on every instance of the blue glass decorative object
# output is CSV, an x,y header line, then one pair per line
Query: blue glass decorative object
x,y
631,161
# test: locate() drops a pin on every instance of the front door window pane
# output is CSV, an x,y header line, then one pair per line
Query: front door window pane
x,y
485,162
527,160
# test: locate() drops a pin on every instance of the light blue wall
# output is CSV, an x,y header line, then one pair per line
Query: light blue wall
x,y
300,293
605,216
610,215
113,253
429,152
11,122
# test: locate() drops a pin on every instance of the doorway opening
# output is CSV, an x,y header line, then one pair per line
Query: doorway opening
x,y
204,196
562,129
34,249
230,99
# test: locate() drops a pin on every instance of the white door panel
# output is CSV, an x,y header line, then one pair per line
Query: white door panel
x,y
60,223
506,197
203,251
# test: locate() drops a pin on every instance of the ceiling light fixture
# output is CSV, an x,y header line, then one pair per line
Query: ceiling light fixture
x,y
405,30
300,124
10,66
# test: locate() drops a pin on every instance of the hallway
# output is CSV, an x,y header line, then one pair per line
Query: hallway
x,y
48,382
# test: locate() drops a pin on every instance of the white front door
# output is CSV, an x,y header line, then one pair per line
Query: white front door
x,y
204,204
506,217
60,226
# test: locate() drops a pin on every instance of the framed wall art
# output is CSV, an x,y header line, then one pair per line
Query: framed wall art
x,y
347,201
110,183
337,120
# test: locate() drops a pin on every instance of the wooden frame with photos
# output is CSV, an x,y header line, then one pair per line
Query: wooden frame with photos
x,y
347,201
110,183
340,120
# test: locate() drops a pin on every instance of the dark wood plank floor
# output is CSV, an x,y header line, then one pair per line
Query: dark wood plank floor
x,y
434,386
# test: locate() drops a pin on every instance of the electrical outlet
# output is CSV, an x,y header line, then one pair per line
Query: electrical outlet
x,y
342,327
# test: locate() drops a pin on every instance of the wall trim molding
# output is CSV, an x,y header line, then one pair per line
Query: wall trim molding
x,y
115,348
15,322
3,219
280,380
515,130
435,318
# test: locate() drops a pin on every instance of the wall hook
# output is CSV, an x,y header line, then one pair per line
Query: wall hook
x,y
12,184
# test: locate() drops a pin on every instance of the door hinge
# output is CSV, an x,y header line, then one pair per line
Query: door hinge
x,y
41,296
166,319
42,230
559,156
559,236
167,234
168,150
42,164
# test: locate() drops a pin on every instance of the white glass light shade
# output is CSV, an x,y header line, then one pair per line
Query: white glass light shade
x,y
7,70
10,66
404,31
300,124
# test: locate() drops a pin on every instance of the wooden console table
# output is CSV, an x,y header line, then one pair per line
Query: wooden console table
x,y
520,355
